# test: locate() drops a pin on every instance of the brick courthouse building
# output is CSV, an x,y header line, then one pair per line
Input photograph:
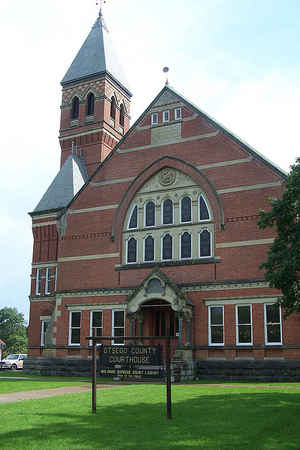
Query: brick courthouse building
x,y
153,228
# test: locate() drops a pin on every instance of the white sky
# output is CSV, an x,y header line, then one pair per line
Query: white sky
x,y
238,60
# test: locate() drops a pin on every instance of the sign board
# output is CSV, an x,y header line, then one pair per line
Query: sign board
x,y
131,361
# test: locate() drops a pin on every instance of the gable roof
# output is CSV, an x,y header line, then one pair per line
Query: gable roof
x,y
69,180
169,92
96,56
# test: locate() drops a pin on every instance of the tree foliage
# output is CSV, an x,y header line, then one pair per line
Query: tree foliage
x,y
13,331
282,267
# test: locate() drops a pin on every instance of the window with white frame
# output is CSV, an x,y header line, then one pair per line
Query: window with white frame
x,y
149,249
177,113
118,327
132,250
150,214
203,209
44,327
38,281
48,281
74,328
205,246
166,116
185,245
243,314
186,209
273,332
167,212
133,220
96,323
167,247
154,118
216,325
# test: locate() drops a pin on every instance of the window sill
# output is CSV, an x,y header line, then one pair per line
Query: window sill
x,y
184,262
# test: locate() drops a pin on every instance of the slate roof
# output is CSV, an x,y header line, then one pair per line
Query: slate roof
x,y
69,180
96,56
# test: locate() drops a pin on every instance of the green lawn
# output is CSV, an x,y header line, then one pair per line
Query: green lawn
x,y
133,417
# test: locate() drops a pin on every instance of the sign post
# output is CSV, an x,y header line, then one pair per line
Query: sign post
x,y
96,339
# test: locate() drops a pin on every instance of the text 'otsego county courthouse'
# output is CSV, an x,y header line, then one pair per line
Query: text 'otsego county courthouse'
x,y
154,228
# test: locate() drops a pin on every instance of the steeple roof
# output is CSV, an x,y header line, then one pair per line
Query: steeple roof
x,y
69,180
96,57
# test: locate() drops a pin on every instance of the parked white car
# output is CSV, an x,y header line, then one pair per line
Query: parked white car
x,y
13,362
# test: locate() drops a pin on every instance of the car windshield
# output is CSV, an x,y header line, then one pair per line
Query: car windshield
x,y
12,357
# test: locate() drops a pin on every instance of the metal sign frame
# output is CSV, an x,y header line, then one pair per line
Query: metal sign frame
x,y
167,339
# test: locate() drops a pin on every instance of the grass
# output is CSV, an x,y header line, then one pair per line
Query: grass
x,y
133,417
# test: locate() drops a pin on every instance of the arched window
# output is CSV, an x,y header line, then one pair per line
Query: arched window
x,y
186,245
167,212
186,209
133,218
205,243
90,104
131,250
149,249
75,108
167,247
113,108
150,214
203,209
122,115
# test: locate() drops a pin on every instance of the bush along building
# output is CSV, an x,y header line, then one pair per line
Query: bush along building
x,y
153,228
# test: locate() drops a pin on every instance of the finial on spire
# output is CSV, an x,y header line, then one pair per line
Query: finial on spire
x,y
166,70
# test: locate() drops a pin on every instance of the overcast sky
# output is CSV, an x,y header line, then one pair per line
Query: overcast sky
x,y
238,60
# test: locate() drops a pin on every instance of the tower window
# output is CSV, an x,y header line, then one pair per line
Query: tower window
x,y
75,108
150,214
131,250
167,247
113,108
186,245
167,212
122,115
166,116
149,249
186,209
154,118
90,104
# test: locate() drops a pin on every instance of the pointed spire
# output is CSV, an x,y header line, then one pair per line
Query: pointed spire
x,y
96,57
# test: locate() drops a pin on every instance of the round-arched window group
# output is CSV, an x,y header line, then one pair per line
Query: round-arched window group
x,y
172,236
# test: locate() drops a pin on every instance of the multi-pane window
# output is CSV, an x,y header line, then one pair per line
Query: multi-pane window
x,y
75,108
96,323
38,281
204,244
203,209
149,248
133,218
154,118
74,330
150,214
122,115
177,113
186,209
216,325
118,327
186,245
167,212
243,325
167,247
48,281
166,116
90,104
131,250
273,324
44,327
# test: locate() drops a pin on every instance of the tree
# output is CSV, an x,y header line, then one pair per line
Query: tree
x,y
282,267
13,331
